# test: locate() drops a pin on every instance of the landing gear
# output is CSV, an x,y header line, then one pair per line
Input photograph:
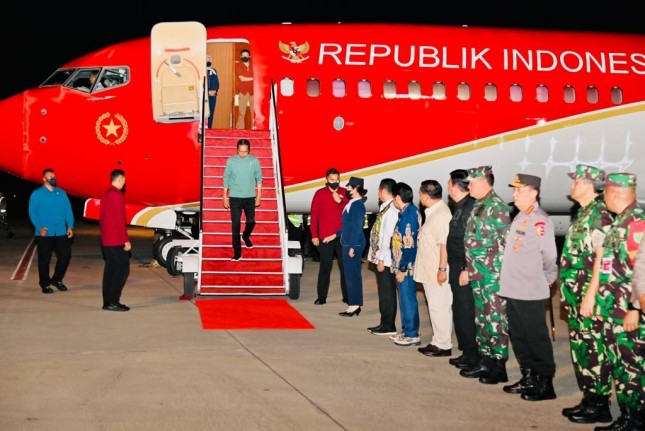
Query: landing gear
x,y
174,262
160,249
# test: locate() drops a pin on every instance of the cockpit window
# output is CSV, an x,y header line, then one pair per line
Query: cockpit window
x,y
58,78
89,79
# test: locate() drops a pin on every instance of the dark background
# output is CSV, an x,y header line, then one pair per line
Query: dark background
x,y
37,39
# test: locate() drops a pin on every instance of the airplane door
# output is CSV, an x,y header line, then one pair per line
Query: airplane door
x,y
178,62
222,56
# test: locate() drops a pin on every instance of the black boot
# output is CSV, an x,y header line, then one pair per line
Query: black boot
x,y
496,374
568,411
596,409
542,391
528,381
630,420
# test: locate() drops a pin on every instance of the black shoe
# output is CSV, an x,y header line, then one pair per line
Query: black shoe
x,y
236,258
455,361
47,290
350,313
525,384
115,307
432,350
59,285
595,408
374,328
320,301
543,390
383,331
247,242
475,372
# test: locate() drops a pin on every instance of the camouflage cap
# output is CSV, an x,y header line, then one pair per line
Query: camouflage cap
x,y
589,172
620,179
480,171
522,180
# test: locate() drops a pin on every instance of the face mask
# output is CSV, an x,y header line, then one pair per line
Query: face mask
x,y
333,186
348,193
208,64
52,182
246,59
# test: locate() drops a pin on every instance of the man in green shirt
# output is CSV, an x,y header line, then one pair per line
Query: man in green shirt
x,y
242,192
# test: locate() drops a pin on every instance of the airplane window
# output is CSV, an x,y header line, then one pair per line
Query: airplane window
x,y
569,94
592,94
516,93
313,87
490,92
59,77
414,90
542,93
616,95
338,88
463,91
439,91
84,79
113,77
286,87
389,89
364,89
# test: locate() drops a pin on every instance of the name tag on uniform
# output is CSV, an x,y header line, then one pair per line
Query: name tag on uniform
x,y
605,266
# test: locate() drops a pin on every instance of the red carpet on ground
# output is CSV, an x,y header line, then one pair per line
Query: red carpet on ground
x,y
250,313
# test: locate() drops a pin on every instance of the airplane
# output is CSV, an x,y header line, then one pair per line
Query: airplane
x,y
410,102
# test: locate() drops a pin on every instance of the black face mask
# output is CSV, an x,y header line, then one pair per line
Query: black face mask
x,y
333,186
246,59
208,64
348,193
52,182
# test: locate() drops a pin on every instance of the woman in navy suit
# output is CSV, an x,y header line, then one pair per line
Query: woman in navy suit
x,y
353,243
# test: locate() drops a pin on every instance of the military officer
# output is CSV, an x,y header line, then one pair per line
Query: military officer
x,y
485,239
582,244
611,291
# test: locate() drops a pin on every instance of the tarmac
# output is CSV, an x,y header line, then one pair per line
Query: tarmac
x,y
66,364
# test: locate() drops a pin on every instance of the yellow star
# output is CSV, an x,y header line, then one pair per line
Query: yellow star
x,y
111,129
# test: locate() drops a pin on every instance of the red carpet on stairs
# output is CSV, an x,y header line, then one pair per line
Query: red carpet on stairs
x,y
250,313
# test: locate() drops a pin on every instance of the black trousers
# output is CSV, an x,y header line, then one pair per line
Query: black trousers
x,y
463,315
529,335
239,205
47,245
115,273
327,251
387,302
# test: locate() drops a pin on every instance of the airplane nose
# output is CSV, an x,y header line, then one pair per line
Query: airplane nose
x,y
12,134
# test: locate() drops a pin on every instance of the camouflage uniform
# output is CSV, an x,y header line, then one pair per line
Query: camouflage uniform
x,y
588,351
626,349
485,238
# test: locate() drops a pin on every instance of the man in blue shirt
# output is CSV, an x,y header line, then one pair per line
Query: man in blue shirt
x,y
51,214
242,192
213,88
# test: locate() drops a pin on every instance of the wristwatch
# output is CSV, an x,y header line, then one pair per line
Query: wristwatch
x,y
443,269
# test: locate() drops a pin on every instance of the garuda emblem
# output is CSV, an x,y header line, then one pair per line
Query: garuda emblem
x,y
295,53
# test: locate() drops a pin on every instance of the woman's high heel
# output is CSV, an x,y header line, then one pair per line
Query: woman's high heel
x,y
350,313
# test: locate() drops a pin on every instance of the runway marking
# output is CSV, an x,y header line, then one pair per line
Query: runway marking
x,y
24,264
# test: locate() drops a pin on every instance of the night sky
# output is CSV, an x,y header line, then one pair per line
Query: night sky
x,y
37,39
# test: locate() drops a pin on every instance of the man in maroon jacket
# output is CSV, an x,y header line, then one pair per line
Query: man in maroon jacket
x,y
326,222
115,242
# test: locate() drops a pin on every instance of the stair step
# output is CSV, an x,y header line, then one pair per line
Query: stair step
x,y
248,290
265,266
227,279
225,251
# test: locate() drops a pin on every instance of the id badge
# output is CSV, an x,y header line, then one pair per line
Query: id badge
x,y
605,266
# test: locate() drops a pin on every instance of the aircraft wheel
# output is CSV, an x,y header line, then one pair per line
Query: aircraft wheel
x,y
294,286
174,265
161,248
